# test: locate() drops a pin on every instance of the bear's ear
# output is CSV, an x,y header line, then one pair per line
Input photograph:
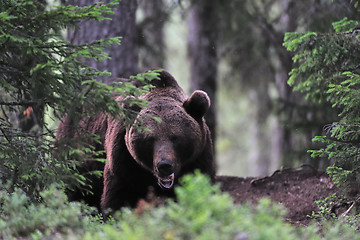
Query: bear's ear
x,y
197,104
164,79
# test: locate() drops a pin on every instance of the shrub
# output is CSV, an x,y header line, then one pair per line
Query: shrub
x,y
19,216
201,211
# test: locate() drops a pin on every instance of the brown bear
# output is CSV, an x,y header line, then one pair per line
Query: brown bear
x,y
156,158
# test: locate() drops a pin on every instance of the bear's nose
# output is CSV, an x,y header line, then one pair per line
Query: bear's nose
x,y
165,168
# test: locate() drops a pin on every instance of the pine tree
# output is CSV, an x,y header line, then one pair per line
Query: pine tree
x,y
41,72
327,69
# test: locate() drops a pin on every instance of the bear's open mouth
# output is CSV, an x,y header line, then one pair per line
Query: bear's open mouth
x,y
166,182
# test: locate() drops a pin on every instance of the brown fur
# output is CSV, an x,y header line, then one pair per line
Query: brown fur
x,y
136,160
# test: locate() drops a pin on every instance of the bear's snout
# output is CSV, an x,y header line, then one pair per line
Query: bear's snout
x,y
165,174
165,168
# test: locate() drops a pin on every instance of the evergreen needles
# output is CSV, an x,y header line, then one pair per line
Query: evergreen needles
x,y
327,69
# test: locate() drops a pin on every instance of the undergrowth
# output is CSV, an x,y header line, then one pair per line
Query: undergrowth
x,y
201,211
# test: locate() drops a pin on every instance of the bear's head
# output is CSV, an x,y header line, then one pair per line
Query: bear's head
x,y
168,147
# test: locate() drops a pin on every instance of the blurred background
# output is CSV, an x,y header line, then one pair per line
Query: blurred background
x,y
232,50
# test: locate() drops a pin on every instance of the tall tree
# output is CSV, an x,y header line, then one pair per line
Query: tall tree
x,y
327,69
252,44
124,58
151,34
44,70
202,53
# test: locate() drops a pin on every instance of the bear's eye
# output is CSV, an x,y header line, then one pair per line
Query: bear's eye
x,y
182,145
177,140
144,148
146,143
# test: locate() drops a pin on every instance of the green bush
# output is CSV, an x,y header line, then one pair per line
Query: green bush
x,y
201,211
21,217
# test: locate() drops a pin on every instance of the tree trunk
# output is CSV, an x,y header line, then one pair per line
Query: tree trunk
x,y
124,58
151,35
283,142
202,53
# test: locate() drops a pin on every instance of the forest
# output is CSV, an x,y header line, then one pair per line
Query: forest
x,y
282,77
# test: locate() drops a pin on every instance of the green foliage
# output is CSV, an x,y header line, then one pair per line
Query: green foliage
x,y
321,60
344,25
200,212
324,212
203,212
43,77
327,70
21,217
337,208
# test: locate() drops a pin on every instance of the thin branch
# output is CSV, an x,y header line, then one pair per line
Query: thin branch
x,y
22,103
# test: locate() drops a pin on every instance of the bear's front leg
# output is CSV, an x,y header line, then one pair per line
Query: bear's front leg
x,y
123,189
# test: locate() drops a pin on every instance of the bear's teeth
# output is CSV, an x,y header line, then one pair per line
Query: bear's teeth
x,y
166,182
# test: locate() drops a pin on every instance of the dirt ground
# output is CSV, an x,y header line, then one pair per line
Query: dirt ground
x,y
295,189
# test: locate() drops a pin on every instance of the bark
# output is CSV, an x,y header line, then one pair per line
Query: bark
x,y
151,35
283,141
202,54
124,58
280,142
